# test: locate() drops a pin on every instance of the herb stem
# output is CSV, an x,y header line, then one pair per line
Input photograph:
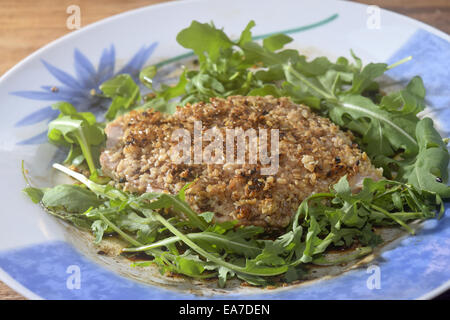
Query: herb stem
x,y
192,215
400,222
119,231
399,62
95,187
288,68
86,151
211,237
266,271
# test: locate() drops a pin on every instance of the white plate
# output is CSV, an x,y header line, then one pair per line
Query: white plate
x,y
39,255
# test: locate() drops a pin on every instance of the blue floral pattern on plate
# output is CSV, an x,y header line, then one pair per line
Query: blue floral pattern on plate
x,y
80,89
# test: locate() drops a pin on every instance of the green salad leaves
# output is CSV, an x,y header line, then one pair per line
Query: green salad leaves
x,y
124,93
179,240
80,132
165,229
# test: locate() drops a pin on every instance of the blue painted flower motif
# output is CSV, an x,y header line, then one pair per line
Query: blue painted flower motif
x,y
80,90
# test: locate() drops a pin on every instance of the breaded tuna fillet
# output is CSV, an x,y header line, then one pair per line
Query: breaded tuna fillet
x,y
313,154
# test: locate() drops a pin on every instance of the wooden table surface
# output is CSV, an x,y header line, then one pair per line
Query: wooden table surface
x,y
27,25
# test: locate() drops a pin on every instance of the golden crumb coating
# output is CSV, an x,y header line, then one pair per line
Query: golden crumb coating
x,y
313,154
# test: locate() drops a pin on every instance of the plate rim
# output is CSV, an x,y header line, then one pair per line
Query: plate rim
x,y
87,28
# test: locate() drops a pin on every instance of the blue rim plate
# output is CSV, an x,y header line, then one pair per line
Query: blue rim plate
x,y
40,257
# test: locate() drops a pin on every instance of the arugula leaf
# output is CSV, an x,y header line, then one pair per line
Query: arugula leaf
x,y
123,91
397,130
79,131
246,34
276,42
35,194
224,275
98,228
365,79
191,264
146,76
267,90
427,136
409,100
429,171
67,202
204,38
70,198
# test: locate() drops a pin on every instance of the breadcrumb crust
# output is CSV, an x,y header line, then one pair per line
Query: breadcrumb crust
x,y
313,154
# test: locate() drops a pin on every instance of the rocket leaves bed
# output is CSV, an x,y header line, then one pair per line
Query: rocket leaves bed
x,y
411,152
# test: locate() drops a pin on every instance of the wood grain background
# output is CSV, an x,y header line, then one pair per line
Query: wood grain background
x,y
27,25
